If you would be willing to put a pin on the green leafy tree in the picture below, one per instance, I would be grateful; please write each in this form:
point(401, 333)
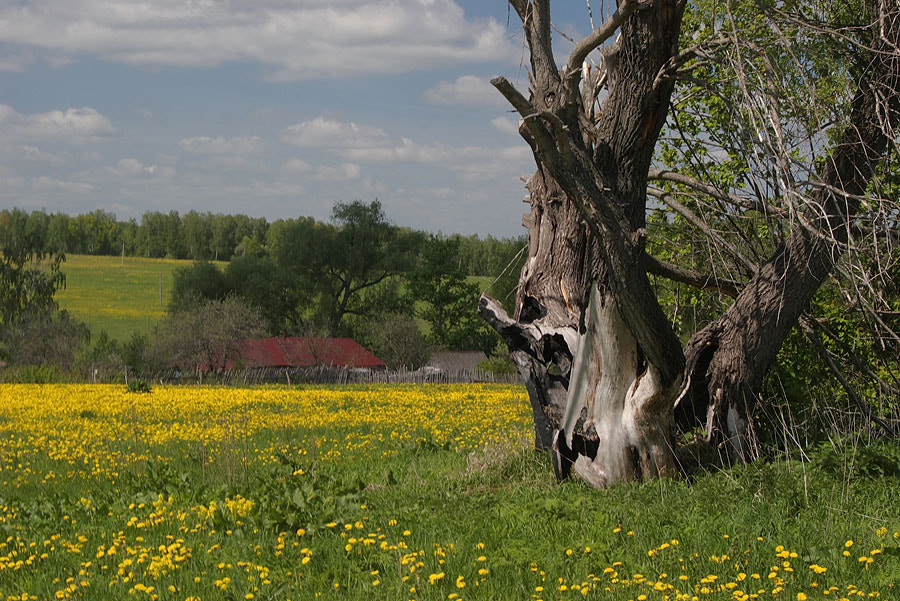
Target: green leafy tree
point(450, 299)
point(202, 281)
point(29, 275)
point(280, 297)
point(343, 261)
point(198, 236)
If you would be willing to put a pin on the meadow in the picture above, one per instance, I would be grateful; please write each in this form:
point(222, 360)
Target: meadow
point(400, 492)
point(118, 295)
point(122, 296)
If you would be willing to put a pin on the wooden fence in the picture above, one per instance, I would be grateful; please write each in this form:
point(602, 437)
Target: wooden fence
point(335, 375)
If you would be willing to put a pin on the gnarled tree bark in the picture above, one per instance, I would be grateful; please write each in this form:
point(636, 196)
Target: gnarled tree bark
point(600, 360)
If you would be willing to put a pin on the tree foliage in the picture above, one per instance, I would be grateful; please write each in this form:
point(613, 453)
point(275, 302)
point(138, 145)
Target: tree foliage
point(450, 300)
point(29, 274)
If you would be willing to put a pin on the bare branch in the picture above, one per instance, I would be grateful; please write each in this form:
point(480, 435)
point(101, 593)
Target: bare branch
point(717, 193)
point(530, 118)
point(701, 50)
point(703, 227)
point(513, 96)
point(692, 278)
point(592, 42)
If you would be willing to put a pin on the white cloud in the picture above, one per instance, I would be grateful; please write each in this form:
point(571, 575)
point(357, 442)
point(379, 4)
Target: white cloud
point(13, 181)
point(505, 125)
point(72, 125)
point(467, 90)
point(344, 172)
point(52, 184)
point(131, 166)
point(322, 132)
point(16, 63)
point(240, 146)
point(323, 173)
point(297, 39)
point(361, 143)
point(33, 153)
point(296, 166)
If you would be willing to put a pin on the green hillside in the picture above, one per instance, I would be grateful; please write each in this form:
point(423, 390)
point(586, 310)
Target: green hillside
point(116, 295)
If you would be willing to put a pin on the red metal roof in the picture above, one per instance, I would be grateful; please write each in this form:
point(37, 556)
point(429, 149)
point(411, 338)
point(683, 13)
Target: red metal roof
point(304, 352)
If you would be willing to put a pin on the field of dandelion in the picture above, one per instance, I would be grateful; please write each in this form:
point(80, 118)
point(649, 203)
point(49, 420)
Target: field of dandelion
point(397, 492)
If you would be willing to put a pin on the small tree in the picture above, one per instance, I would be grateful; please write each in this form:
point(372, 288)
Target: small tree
point(207, 336)
point(50, 338)
point(29, 275)
point(398, 341)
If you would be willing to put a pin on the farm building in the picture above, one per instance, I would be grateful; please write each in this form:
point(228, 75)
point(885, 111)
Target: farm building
point(286, 351)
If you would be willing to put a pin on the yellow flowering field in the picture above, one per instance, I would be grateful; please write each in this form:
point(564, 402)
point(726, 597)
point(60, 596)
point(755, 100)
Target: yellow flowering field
point(394, 492)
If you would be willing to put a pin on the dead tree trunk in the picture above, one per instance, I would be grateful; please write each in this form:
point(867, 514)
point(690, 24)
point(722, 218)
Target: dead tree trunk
point(600, 360)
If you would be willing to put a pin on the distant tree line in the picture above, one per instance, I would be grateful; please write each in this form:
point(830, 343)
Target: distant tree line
point(398, 291)
point(199, 237)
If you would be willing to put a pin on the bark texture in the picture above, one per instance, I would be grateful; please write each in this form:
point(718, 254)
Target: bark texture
point(600, 360)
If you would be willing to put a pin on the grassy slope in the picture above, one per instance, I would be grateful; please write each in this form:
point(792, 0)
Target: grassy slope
point(119, 298)
point(122, 299)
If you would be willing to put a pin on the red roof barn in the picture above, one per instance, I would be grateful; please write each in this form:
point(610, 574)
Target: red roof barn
point(303, 352)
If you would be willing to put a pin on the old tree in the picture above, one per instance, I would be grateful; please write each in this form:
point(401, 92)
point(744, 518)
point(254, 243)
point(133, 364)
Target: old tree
point(766, 131)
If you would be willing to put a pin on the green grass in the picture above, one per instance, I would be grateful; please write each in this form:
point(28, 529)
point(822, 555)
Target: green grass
point(128, 296)
point(118, 296)
point(372, 509)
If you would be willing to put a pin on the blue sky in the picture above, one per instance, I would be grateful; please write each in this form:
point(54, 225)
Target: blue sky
point(274, 108)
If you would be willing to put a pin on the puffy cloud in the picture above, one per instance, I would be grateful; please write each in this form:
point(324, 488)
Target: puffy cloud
point(132, 166)
point(16, 63)
point(322, 173)
point(361, 143)
point(72, 125)
point(505, 125)
point(343, 172)
point(32, 153)
point(240, 146)
point(296, 166)
point(297, 39)
point(322, 132)
point(467, 90)
point(52, 184)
